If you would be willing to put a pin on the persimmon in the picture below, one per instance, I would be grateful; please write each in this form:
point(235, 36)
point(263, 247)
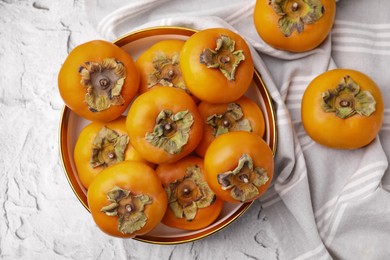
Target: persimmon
point(216, 65)
point(192, 204)
point(343, 109)
point(100, 145)
point(98, 80)
point(240, 115)
point(127, 199)
point(159, 65)
point(164, 125)
point(294, 25)
point(239, 166)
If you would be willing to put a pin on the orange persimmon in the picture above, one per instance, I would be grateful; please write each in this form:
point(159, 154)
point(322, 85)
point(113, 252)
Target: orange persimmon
point(127, 199)
point(192, 204)
point(216, 65)
point(294, 25)
point(100, 145)
point(98, 80)
point(164, 125)
point(342, 108)
point(240, 115)
point(239, 166)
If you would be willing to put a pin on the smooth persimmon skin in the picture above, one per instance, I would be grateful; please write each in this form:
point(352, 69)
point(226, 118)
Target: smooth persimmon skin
point(169, 173)
point(73, 92)
point(224, 153)
point(83, 149)
point(141, 119)
point(266, 23)
point(328, 129)
point(210, 84)
point(145, 60)
point(251, 110)
point(136, 177)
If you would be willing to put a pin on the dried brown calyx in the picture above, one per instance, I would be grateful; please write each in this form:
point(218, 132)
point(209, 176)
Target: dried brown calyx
point(103, 82)
point(166, 71)
point(295, 14)
point(128, 208)
point(347, 99)
point(172, 131)
point(189, 194)
point(244, 180)
point(108, 148)
point(224, 57)
point(231, 120)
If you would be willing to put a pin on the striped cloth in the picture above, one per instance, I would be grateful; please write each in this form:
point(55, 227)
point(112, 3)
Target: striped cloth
point(323, 203)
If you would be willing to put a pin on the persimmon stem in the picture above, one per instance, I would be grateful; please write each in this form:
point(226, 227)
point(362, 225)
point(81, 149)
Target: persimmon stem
point(225, 59)
point(294, 6)
point(104, 83)
point(171, 74)
point(244, 178)
point(129, 208)
point(345, 103)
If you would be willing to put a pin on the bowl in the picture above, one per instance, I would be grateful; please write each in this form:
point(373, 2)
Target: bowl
point(71, 125)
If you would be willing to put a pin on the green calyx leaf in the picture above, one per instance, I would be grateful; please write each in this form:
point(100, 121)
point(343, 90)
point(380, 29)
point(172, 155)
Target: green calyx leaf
point(108, 148)
point(347, 100)
point(224, 57)
point(244, 180)
point(189, 194)
point(295, 14)
point(166, 72)
point(172, 131)
point(128, 208)
point(231, 120)
point(103, 83)
point(130, 223)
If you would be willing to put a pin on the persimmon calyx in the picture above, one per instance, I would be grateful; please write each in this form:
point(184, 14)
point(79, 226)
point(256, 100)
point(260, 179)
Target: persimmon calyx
point(295, 14)
point(231, 120)
point(224, 57)
point(103, 83)
point(128, 208)
point(166, 71)
point(347, 99)
point(172, 131)
point(108, 148)
point(244, 180)
point(189, 194)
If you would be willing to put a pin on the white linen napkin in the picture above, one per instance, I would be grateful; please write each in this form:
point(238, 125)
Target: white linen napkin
point(323, 203)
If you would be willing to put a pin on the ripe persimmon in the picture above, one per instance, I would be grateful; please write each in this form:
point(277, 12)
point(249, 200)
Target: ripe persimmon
point(294, 25)
point(216, 65)
point(342, 108)
point(98, 80)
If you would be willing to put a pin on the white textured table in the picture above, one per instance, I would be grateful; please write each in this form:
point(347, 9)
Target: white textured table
point(41, 218)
